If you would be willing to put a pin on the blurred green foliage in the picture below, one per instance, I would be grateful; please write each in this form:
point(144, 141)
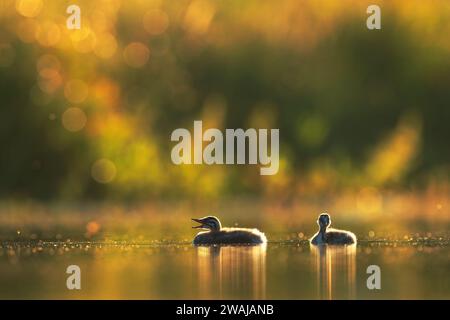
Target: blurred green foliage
point(349, 102)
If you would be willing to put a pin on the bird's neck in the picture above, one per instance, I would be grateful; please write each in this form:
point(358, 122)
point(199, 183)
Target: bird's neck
point(323, 232)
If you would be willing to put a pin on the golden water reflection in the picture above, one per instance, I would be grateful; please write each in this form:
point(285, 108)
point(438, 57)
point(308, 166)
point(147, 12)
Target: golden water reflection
point(335, 268)
point(284, 271)
point(232, 271)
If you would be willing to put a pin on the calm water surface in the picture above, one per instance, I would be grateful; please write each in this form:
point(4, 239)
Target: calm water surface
point(283, 270)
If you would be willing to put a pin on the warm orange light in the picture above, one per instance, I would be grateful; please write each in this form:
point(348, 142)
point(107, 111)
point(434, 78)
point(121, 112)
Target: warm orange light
point(155, 22)
point(29, 8)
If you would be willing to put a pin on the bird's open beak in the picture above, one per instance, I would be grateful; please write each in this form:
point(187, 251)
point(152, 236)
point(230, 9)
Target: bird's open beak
point(201, 226)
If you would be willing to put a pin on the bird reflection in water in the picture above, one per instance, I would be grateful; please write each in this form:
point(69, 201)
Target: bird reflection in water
point(335, 267)
point(232, 271)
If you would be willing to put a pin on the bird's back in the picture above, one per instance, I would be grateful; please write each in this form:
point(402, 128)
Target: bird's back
point(335, 236)
point(230, 236)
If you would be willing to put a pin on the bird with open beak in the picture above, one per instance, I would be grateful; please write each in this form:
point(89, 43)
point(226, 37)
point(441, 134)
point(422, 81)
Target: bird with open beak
point(216, 234)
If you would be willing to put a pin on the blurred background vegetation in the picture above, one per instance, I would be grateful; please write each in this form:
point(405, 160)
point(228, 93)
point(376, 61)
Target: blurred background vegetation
point(85, 123)
point(87, 114)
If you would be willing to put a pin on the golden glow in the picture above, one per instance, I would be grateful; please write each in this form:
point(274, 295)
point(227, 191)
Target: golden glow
point(86, 67)
point(88, 43)
point(101, 22)
point(335, 268)
point(105, 46)
point(155, 22)
point(232, 269)
point(391, 158)
point(81, 34)
point(199, 15)
point(369, 200)
point(92, 228)
point(136, 54)
point(48, 34)
point(29, 8)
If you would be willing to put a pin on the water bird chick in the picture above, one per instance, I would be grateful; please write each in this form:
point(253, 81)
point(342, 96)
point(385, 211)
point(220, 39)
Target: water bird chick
point(327, 235)
point(218, 235)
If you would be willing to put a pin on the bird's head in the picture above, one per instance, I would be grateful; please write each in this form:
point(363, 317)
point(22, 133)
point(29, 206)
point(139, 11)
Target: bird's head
point(211, 223)
point(324, 220)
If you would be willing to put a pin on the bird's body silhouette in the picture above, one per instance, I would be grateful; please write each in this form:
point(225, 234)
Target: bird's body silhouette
point(327, 235)
point(218, 235)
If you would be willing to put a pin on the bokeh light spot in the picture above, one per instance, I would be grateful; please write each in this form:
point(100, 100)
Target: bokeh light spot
point(74, 119)
point(155, 22)
point(87, 44)
point(47, 61)
point(92, 228)
point(49, 81)
point(29, 8)
point(26, 30)
point(76, 91)
point(103, 171)
point(48, 34)
point(81, 34)
point(48, 67)
point(105, 46)
point(136, 54)
point(198, 16)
